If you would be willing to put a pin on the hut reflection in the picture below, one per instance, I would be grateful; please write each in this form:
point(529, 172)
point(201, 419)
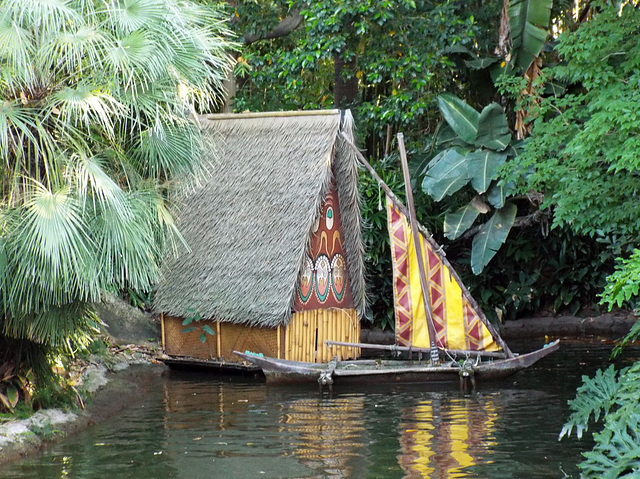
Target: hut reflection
point(440, 439)
point(328, 433)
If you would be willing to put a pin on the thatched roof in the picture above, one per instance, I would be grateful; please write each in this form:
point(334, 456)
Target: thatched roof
point(248, 228)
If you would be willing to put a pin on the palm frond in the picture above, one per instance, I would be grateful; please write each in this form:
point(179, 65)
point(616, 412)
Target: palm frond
point(128, 250)
point(66, 328)
point(166, 151)
point(16, 48)
point(95, 187)
point(53, 259)
point(16, 126)
point(74, 51)
point(83, 106)
point(128, 16)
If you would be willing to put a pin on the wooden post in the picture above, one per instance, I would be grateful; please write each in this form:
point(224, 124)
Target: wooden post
point(417, 243)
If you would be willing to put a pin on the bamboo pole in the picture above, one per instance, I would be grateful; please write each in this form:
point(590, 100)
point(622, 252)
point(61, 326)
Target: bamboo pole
point(218, 339)
point(305, 344)
point(340, 333)
point(320, 339)
point(426, 296)
point(287, 337)
point(325, 350)
point(162, 338)
point(278, 343)
point(303, 338)
point(269, 114)
point(393, 347)
point(292, 337)
point(435, 246)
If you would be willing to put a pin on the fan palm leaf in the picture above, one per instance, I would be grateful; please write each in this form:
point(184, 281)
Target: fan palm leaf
point(68, 327)
point(167, 151)
point(94, 135)
point(54, 258)
point(129, 252)
point(95, 188)
point(75, 50)
point(84, 106)
point(16, 47)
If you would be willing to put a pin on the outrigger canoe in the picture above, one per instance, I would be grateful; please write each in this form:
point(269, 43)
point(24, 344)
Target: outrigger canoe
point(435, 314)
point(359, 371)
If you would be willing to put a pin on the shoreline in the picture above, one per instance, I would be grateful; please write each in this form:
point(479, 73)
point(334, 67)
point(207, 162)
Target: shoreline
point(106, 390)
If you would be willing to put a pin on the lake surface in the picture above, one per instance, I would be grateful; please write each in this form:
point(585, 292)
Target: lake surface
point(200, 426)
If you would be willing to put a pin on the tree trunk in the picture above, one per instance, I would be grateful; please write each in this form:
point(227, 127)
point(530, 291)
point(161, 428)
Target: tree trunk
point(345, 86)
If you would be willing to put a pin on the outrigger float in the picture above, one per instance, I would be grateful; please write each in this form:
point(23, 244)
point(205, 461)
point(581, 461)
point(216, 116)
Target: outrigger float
point(436, 316)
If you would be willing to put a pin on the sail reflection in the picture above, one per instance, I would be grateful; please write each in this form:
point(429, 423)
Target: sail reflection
point(440, 439)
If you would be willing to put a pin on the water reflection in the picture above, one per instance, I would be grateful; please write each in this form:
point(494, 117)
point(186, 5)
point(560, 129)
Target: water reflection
point(194, 426)
point(443, 436)
point(328, 433)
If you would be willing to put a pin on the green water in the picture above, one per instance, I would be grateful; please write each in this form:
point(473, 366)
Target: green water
point(197, 426)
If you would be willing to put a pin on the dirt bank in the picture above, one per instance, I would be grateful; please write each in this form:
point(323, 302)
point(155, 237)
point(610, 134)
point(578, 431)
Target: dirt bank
point(115, 390)
point(606, 326)
point(109, 383)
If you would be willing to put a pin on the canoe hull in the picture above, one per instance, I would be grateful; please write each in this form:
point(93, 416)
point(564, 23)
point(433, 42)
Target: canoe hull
point(280, 371)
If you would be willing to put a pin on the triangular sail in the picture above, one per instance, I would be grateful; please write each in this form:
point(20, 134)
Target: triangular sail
point(457, 323)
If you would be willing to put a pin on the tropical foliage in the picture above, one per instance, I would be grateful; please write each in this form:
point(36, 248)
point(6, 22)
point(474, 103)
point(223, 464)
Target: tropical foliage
point(96, 130)
point(472, 150)
point(612, 397)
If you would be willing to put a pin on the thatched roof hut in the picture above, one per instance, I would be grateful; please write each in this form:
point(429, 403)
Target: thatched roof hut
point(250, 227)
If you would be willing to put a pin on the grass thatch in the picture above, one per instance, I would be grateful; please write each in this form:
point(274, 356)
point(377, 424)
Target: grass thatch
point(249, 226)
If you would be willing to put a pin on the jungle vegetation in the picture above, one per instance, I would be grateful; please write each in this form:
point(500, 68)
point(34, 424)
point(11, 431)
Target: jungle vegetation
point(96, 136)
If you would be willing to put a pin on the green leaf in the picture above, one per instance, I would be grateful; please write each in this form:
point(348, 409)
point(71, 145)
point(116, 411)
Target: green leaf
point(493, 130)
point(482, 167)
point(528, 20)
point(480, 63)
point(457, 48)
point(447, 175)
point(203, 337)
point(462, 118)
point(189, 329)
point(491, 237)
point(187, 321)
point(5, 400)
point(12, 395)
point(498, 192)
point(457, 223)
point(207, 329)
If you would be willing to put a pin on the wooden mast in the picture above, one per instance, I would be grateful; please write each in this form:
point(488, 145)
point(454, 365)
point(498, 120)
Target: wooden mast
point(417, 244)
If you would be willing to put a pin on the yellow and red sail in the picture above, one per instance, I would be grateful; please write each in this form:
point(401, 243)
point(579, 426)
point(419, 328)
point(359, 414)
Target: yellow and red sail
point(457, 323)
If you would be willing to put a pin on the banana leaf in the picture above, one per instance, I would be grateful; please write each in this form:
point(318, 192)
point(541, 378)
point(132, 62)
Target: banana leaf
point(491, 236)
point(447, 174)
point(462, 118)
point(493, 130)
point(528, 20)
point(482, 167)
point(457, 223)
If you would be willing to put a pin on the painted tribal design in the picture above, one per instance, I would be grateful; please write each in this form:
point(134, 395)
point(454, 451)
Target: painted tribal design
point(323, 281)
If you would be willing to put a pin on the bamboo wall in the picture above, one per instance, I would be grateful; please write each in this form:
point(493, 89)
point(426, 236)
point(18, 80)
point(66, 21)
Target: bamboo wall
point(228, 337)
point(307, 331)
point(302, 340)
